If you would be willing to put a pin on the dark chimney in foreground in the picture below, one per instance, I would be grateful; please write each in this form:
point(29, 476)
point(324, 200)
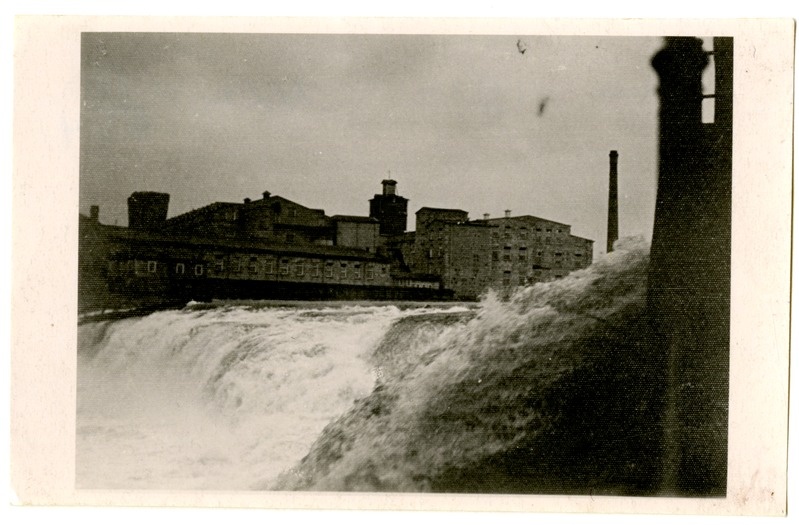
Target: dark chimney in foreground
point(94, 213)
point(688, 299)
point(613, 201)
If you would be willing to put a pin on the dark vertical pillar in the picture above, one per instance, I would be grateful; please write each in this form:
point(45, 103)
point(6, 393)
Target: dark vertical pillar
point(613, 201)
point(688, 298)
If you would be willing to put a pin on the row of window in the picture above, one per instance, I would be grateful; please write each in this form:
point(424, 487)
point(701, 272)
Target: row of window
point(538, 253)
point(283, 267)
point(523, 230)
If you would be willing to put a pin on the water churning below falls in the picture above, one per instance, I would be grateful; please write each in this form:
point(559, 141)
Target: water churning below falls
point(548, 392)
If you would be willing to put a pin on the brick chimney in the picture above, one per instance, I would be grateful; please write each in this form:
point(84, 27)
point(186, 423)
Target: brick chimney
point(507, 214)
point(486, 216)
point(613, 201)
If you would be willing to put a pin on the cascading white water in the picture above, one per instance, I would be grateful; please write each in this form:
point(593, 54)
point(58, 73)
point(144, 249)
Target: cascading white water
point(220, 398)
point(379, 398)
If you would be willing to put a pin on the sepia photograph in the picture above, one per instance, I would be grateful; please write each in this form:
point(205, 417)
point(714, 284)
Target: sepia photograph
point(489, 263)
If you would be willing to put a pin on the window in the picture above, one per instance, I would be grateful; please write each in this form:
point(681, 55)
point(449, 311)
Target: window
point(269, 266)
point(198, 269)
point(343, 272)
point(329, 269)
point(357, 271)
point(495, 256)
point(317, 268)
point(578, 254)
point(289, 238)
point(506, 257)
point(370, 273)
point(253, 268)
point(180, 268)
point(522, 257)
point(299, 268)
point(152, 266)
point(220, 264)
point(284, 266)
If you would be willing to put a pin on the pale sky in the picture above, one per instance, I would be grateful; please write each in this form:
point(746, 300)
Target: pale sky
point(464, 122)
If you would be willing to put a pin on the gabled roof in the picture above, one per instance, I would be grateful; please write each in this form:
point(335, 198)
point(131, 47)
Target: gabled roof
point(277, 198)
point(236, 206)
point(204, 210)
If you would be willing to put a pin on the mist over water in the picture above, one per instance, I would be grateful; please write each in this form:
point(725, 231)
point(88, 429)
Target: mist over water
point(343, 397)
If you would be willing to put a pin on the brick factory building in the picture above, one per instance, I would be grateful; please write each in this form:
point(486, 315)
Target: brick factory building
point(276, 248)
point(501, 254)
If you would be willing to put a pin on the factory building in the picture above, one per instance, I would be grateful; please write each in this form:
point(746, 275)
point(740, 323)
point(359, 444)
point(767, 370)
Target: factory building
point(273, 247)
point(501, 254)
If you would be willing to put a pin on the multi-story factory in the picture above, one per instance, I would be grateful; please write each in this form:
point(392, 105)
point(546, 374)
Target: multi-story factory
point(276, 248)
point(502, 253)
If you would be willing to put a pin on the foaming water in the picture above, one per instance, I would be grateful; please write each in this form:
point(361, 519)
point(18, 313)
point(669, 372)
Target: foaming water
point(547, 392)
point(550, 391)
point(219, 398)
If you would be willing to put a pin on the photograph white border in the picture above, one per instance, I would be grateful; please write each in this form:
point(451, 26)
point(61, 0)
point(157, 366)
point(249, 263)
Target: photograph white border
point(44, 301)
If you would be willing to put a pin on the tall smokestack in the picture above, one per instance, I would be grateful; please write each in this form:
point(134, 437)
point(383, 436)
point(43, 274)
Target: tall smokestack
point(613, 201)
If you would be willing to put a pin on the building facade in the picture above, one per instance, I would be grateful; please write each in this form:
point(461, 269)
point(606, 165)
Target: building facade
point(501, 254)
point(276, 248)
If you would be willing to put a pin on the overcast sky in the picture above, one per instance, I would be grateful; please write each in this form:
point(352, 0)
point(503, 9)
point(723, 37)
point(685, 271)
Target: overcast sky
point(465, 122)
